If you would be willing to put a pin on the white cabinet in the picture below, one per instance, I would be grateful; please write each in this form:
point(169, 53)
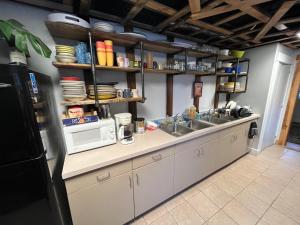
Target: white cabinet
point(193, 162)
point(153, 183)
point(108, 202)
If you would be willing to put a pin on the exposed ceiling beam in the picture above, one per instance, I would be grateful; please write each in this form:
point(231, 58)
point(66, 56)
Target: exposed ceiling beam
point(195, 6)
point(290, 20)
point(48, 5)
point(249, 25)
point(208, 26)
point(230, 18)
point(232, 5)
point(275, 18)
point(286, 32)
point(173, 18)
point(138, 6)
point(273, 41)
point(212, 4)
point(173, 34)
point(239, 35)
point(291, 42)
point(157, 7)
point(251, 11)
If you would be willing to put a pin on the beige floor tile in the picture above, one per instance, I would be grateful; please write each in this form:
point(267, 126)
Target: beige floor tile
point(288, 203)
point(228, 185)
point(190, 192)
point(217, 195)
point(252, 203)
point(166, 219)
point(204, 207)
point(221, 219)
point(172, 203)
point(155, 214)
point(265, 190)
point(139, 221)
point(273, 217)
point(246, 172)
point(239, 179)
point(280, 174)
point(184, 214)
point(295, 183)
point(261, 222)
point(240, 214)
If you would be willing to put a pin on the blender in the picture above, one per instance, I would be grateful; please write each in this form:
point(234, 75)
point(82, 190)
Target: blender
point(124, 128)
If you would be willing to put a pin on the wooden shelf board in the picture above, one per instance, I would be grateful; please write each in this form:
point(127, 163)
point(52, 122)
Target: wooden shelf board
point(230, 75)
point(231, 92)
point(116, 68)
point(146, 70)
point(106, 101)
point(72, 65)
point(67, 31)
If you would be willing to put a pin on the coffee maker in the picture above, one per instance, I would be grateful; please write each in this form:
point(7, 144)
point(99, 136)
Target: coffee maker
point(124, 128)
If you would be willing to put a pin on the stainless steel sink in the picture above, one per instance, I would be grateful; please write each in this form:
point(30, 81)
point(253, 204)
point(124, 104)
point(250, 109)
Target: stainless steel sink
point(214, 120)
point(176, 130)
point(198, 125)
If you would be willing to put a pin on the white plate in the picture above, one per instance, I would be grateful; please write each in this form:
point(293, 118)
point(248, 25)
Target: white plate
point(72, 81)
point(68, 18)
point(74, 96)
point(181, 44)
point(132, 34)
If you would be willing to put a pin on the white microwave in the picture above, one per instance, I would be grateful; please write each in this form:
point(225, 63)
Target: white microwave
point(88, 136)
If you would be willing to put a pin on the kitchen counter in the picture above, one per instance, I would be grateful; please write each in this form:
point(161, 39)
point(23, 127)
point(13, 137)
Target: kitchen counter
point(87, 161)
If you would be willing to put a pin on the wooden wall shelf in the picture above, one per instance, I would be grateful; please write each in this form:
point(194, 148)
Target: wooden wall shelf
point(106, 101)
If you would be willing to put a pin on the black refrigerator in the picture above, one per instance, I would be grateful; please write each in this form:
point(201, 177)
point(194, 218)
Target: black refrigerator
point(31, 150)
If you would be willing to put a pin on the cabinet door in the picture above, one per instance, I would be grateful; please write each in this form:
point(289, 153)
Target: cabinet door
point(242, 141)
point(187, 165)
point(107, 202)
point(208, 157)
point(153, 184)
point(225, 153)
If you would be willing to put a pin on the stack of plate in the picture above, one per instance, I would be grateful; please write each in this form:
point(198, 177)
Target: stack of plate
point(135, 35)
point(65, 54)
point(102, 26)
point(104, 91)
point(73, 88)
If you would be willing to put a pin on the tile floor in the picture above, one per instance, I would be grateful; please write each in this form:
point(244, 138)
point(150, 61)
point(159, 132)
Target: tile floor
point(263, 190)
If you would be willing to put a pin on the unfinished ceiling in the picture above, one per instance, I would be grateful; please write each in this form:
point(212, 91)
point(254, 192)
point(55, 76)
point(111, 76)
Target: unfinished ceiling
point(224, 23)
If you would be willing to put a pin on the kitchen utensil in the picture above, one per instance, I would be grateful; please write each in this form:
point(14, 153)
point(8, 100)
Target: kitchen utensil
point(65, 59)
point(224, 52)
point(237, 54)
point(68, 18)
point(134, 93)
point(109, 52)
point(81, 50)
point(127, 93)
point(103, 26)
point(119, 93)
point(149, 59)
point(120, 61)
point(101, 53)
point(124, 128)
point(139, 125)
point(134, 34)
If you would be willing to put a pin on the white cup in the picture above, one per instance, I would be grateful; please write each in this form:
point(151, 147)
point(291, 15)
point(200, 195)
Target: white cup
point(135, 93)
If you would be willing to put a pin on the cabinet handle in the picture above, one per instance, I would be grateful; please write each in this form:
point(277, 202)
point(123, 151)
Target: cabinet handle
point(157, 157)
point(200, 152)
point(130, 182)
point(137, 179)
point(103, 177)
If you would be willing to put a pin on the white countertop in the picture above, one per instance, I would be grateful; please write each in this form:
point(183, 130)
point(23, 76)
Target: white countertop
point(87, 161)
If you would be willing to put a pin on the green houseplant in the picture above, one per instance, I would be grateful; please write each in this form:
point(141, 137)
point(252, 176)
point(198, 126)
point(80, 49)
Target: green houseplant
point(17, 36)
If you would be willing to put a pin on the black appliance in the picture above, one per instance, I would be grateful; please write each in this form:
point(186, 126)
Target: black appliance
point(31, 150)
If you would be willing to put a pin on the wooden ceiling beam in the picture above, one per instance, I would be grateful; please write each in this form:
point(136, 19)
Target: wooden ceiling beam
point(290, 20)
point(273, 41)
point(275, 18)
point(239, 35)
point(157, 7)
point(138, 6)
point(230, 18)
point(249, 9)
point(288, 32)
point(232, 5)
point(208, 26)
point(195, 6)
point(172, 18)
point(291, 42)
point(249, 25)
point(212, 4)
point(174, 34)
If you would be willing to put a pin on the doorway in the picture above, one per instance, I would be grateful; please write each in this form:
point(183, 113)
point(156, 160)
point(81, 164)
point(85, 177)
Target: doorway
point(294, 132)
point(277, 105)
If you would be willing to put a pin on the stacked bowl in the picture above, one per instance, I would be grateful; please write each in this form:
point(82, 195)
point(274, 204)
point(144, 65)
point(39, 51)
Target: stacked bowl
point(105, 91)
point(73, 88)
point(65, 54)
point(102, 26)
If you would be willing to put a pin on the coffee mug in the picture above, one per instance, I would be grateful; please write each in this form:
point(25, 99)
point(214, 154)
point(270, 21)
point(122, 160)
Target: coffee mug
point(134, 93)
point(119, 93)
point(127, 93)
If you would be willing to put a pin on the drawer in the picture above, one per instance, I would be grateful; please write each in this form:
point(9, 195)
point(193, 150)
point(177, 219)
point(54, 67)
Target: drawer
point(101, 175)
point(153, 157)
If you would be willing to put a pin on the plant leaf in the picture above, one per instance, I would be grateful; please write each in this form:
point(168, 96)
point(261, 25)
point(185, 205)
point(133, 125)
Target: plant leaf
point(15, 23)
point(16, 26)
point(6, 30)
point(21, 43)
point(39, 46)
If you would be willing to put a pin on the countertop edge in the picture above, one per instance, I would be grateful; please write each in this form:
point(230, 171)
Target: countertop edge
point(195, 134)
